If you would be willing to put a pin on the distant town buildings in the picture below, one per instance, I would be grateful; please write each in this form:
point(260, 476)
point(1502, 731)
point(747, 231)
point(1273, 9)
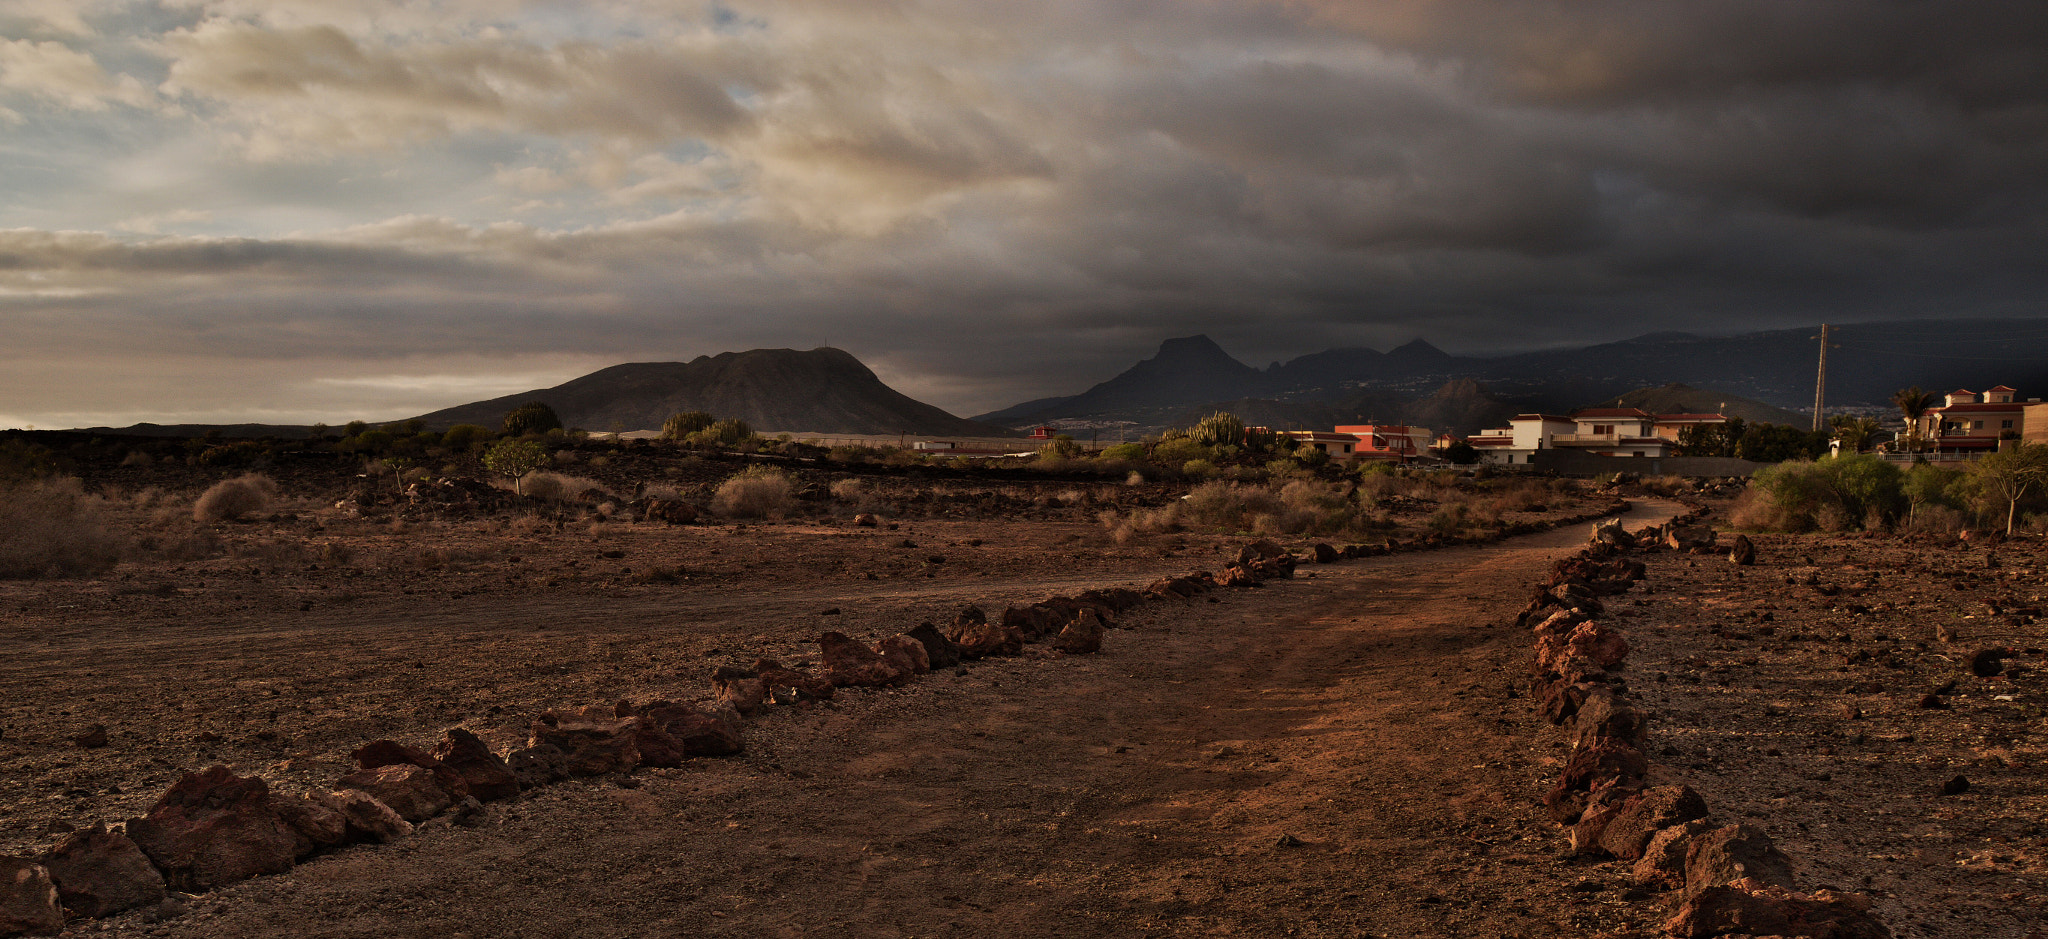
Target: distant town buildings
point(1968, 422)
point(1630, 432)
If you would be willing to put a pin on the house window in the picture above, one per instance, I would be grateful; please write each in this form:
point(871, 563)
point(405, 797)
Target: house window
point(1639, 453)
point(1603, 428)
point(1511, 458)
point(2005, 425)
point(1976, 425)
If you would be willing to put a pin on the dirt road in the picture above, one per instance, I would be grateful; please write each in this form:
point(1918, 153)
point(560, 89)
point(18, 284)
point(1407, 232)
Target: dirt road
point(1345, 754)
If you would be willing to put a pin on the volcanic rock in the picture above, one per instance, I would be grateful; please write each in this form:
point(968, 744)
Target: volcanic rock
point(1732, 853)
point(1083, 636)
point(483, 772)
point(1647, 814)
point(850, 663)
point(100, 872)
point(906, 653)
point(28, 900)
point(938, 650)
point(592, 742)
point(213, 828)
point(409, 790)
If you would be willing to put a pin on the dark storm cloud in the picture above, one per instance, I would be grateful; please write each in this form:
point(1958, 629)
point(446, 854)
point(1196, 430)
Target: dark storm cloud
point(992, 203)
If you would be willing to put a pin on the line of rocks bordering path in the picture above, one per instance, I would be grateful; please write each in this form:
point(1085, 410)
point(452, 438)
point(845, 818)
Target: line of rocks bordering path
point(214, 828)
point(1724, 880)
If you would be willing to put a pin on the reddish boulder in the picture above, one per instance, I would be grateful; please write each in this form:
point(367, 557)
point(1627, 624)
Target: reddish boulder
point(28, 900)
point(1602, 807)
point(1237, 577)
point(1602, 765)
point(739, 687)
point(592, 741)
point(1326, 554)
point(865, 520)
point(483, 772)
point(697, 732)
point(1033, 622)
point(317, 821)
point(1662, 863)
point(213, 828)
point(99, 872)
point(980, 640)
point(538, 765)
point(379, 753)
point(789, 685)
point(1732, 853)
point(656, 746)
point(1083, 636)
point(1260, 550)
point(1596, 642)
point(850, 663)
point(1604, 715)
point(940, 651)
point(671, 512)
point(1629, 833)
point(1748, 907)
point(1742, 552)
point(368, 819)
point(411, 791)
point(906, 653)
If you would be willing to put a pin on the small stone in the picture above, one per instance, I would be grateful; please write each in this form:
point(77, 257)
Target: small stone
point(93, 738)
point(1956, 786)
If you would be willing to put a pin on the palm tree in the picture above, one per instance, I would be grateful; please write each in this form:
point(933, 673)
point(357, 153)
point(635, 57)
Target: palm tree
point(1855, 433)
point(1914, 403)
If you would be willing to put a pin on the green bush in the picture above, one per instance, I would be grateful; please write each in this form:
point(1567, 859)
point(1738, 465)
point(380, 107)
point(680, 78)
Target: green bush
point(462, 438)
point(514, 458)
point(1833, 494)
point(1124, 451)
point(533, 417)
point(679, 426)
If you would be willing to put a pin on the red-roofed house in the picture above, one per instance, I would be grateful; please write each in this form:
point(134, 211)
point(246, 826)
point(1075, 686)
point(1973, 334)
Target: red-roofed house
point(1388, 441)
point(1599, 431)
point(1967, 422)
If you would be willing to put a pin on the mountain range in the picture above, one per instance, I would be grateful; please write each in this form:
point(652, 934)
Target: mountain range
point(1766, 373)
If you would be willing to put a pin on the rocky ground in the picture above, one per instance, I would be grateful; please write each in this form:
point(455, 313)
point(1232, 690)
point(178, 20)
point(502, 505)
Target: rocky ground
point(1352, 752)
point(1878, 705)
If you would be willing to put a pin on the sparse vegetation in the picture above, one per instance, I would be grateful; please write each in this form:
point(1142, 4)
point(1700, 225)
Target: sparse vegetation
point(515, 459)
point(533, 417)
point(51, 528)
point(233, 499)
point(756, 492)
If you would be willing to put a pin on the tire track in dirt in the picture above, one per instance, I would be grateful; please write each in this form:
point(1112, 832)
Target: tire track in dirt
point(1337, 755)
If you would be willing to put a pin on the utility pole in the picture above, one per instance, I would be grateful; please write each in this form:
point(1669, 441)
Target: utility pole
point(1820, 382)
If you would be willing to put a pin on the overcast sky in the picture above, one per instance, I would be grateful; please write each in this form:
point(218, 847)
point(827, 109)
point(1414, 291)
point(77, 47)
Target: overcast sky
point(299, 210)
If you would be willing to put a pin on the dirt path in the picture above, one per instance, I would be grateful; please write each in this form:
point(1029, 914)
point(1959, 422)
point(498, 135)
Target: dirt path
point(1339, 755)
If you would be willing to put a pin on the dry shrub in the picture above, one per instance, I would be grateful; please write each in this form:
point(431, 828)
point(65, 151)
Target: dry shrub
point(1228, 506)
point(53, 529)
point(555, 487)
point(137, 458)
point(757, 492)
point(531, 525)
point(230, 499)
point(849, 490)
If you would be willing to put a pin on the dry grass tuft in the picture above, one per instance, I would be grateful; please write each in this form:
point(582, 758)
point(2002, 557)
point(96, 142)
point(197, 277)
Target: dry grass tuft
point(757, 492)
point(53, 529)
point(231, 499)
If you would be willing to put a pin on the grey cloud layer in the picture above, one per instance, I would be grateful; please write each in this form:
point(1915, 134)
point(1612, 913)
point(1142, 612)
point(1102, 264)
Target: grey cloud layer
point(993, 203)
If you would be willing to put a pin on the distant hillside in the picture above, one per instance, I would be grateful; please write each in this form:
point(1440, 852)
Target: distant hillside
point(1684, 399)
point(1772, 372)
point(1184, 373)
point(822, 391)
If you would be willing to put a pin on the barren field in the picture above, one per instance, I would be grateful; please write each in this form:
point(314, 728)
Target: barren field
point(1351, 752)
point(1830, 694)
